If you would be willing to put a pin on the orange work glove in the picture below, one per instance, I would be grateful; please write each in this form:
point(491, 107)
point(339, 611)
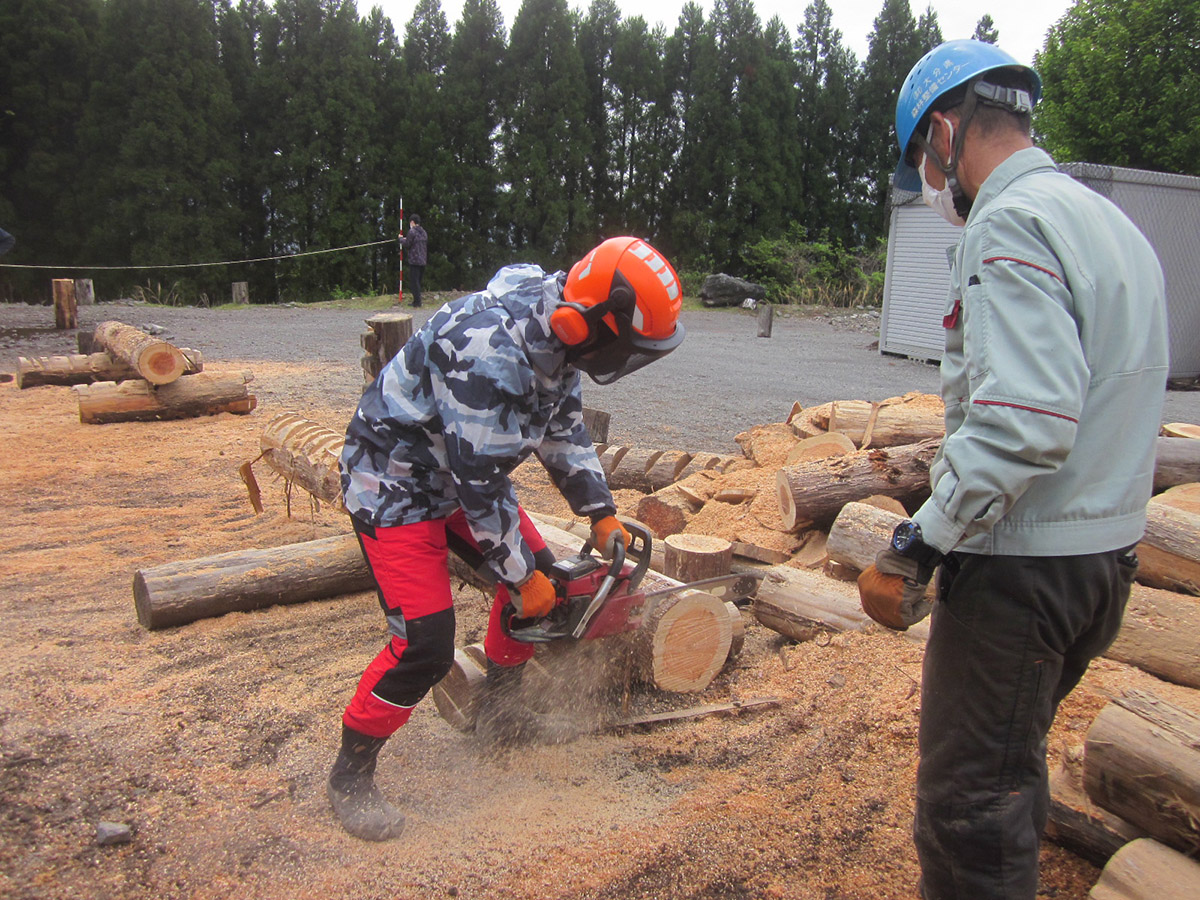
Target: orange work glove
point(893, 590)
point(536, 596)
point(605, 535)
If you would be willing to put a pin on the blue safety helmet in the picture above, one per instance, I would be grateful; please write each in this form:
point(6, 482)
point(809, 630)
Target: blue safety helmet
point(942, 69)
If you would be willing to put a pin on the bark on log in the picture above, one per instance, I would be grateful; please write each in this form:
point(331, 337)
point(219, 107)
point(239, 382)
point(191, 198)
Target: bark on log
point(66, 309)
point(631, 468)
point(909, 419)
point(1141, 762)
point(1080, 825)
point(1146, 870)
point(79, 368)
point(155, 360)
point(665, 470)
point(800, 605)
point(392, 331)
point(1176, 461)
point(139, 401)
point(182, 592)
point(859, 532)
point(1161, 635)
point(306, 454)
point(815, 491)
point(693, 557)
point(1169, 552)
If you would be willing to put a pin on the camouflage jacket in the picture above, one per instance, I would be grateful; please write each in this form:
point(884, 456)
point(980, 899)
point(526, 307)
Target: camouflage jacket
point(481, 386)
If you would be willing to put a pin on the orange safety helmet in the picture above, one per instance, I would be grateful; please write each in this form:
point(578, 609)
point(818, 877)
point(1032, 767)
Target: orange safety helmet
point(620, 309)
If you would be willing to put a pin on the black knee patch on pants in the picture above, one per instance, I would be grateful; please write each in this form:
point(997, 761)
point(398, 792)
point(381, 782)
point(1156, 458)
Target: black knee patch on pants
point(424, 662)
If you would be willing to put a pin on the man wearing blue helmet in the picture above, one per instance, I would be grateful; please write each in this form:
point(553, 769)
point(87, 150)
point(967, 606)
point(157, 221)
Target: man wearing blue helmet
point(1055, 330)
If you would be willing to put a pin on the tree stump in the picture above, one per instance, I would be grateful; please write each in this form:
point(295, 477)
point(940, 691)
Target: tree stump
point(596, 422)
point(66, 311)
point(693, 557)
point(241, 293)
point(155, 360)
point(766, 317)
point(85, 292)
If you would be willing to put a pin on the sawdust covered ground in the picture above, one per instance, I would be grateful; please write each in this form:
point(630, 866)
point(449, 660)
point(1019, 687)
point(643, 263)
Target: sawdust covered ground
point(213, 740)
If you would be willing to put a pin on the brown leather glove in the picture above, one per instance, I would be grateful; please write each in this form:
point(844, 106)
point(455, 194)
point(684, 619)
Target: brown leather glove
point(893, 590)
point(604, 535)
point(536, 596)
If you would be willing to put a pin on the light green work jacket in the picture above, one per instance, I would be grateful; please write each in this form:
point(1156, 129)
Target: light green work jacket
point(1054, 372)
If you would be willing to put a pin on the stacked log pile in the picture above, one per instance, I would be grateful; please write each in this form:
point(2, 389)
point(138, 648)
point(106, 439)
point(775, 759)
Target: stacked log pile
point(125, 374)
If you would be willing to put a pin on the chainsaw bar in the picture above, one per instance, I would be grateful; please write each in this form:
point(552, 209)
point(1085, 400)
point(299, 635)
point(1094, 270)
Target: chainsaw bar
point(734, 584)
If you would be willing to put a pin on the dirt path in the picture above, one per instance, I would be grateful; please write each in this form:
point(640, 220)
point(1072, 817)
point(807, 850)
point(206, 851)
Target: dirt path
point(213, 740)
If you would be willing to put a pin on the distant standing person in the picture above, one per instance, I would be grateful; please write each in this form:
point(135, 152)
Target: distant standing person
point(6, 241)
point(415, 245)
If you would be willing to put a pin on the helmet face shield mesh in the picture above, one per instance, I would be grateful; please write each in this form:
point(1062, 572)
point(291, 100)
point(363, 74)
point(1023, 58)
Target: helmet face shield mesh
point(616, 356)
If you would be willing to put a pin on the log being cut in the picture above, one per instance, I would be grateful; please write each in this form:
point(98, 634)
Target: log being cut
point(157, 361)
point(139, 401)
point(306, 454)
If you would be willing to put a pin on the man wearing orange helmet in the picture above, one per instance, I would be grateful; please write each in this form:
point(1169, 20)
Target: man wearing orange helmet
point(489, 379)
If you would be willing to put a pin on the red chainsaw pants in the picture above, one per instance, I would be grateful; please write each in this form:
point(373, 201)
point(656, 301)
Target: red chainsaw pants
point(409, 564)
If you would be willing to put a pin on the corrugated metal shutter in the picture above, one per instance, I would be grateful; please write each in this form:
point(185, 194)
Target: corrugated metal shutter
point(916, 281)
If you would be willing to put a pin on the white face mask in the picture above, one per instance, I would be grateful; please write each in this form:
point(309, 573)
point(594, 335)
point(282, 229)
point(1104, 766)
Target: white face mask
point(941, 202)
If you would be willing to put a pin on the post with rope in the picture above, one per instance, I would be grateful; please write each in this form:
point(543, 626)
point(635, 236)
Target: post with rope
point(400, 279)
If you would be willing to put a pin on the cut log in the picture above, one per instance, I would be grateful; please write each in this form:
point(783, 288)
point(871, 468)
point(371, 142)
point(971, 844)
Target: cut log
point(910, 419)
point(667, 468)
point(243, 580)
point(800, 605)
point(814, 552)
point(859, 532)
point(1181, 429)
point(1169, 552)
point(1146, 870)
point(1080, 825)
point(705, 462)
point(392, 331)
point(609, 459)
point(737, 626)
point(1176, 461)
point(139, 401)
point(693, 557)
point(596, 422)
point(1161, 635)
point(630, 470)
point(766, 317)
point(1181, 496)
point(666, 511)
point(820, 446)
point(1142, 762)
point(815, 491)
point(457, 695)
point(685, 642)
point(759, 554)
point(82, 368)
point(155, 360)
point(305, 454)
point(66, 308)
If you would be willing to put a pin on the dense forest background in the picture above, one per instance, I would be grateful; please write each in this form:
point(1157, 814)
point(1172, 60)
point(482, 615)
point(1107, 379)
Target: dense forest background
point(146, 132)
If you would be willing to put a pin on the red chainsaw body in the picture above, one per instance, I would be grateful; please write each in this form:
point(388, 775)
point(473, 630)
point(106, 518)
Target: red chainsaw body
point(621, 612)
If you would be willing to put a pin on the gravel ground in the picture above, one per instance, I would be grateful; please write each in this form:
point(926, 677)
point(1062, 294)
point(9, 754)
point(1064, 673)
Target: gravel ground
point(722, 380)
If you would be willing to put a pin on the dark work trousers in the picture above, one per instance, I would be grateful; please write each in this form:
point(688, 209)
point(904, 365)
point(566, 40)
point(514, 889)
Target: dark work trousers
point(415, 273)
point(1010, 637)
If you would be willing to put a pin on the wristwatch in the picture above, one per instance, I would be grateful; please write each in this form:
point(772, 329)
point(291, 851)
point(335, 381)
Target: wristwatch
point(907, 540)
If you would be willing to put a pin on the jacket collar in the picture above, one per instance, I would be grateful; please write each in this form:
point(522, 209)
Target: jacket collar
point(1018, 165)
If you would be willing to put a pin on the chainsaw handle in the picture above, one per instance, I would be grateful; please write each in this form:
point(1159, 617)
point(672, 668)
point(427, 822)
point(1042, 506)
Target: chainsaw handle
point(639, 546)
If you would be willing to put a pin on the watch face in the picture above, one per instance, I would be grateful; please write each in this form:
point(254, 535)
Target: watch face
point(903, 537)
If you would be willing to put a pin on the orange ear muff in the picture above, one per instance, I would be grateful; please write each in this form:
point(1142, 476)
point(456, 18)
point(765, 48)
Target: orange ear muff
point(570, 324)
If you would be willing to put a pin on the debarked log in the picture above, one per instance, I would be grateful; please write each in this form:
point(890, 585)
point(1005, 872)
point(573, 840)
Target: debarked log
point(85, 368)
point(157, 361)
point(816, 490)
point(243, 580)
point(202, 394)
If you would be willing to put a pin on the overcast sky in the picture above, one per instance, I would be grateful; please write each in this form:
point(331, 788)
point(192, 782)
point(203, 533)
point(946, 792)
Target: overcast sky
point(1022, 23)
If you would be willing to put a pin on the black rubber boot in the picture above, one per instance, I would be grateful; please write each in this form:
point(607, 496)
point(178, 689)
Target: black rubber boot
point(359, 805)
point(504, 720)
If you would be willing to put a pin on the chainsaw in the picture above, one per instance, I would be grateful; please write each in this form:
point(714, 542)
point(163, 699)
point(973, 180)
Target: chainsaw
point(597, 599)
